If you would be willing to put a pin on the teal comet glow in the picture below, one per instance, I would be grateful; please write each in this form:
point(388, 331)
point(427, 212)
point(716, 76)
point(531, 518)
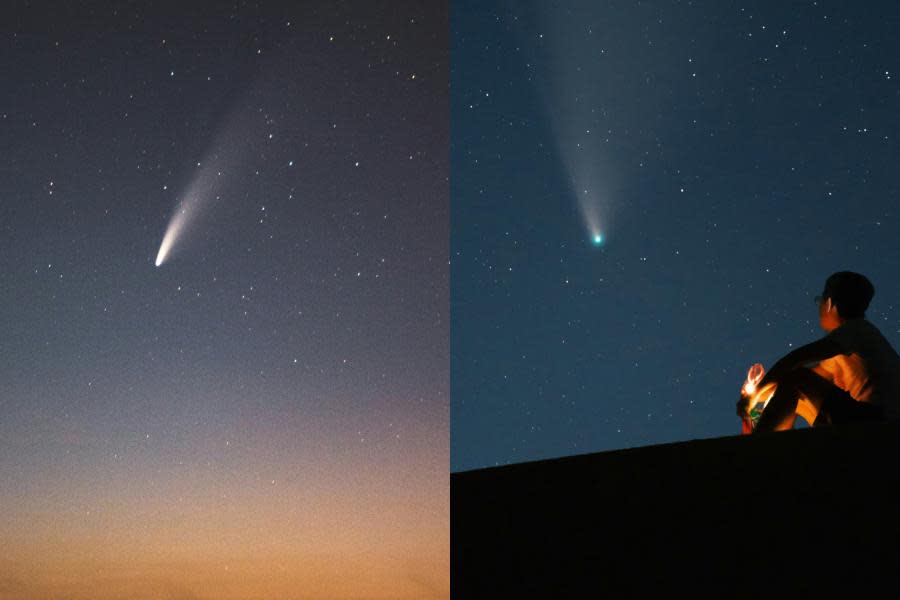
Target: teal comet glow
point(597, 239)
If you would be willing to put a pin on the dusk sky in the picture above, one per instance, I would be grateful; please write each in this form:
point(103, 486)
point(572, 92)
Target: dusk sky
point(729, 157)
point(246, 248)
point(266, 413)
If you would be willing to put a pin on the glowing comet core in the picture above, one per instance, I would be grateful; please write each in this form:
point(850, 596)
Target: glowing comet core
point(176, 225)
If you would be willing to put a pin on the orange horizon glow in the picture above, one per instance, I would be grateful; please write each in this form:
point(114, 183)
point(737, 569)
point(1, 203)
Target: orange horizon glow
point(365, 520)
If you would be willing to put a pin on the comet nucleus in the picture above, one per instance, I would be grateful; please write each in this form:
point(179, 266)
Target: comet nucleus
point(173, 231)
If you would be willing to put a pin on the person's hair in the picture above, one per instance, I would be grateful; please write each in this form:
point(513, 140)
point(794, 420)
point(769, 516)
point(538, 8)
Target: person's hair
point(850, 292)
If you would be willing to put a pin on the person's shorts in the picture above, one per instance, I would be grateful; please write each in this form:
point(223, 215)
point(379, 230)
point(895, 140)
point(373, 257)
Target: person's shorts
point(840, 408)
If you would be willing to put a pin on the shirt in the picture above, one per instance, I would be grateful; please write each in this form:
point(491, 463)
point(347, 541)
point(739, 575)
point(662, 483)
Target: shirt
point(868, 367)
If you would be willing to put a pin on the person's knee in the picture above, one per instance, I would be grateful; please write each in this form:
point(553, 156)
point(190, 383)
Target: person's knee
point(811, 385)
point(789, 384)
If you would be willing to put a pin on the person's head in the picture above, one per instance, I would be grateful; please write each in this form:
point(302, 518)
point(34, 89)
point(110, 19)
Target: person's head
point(846, 296)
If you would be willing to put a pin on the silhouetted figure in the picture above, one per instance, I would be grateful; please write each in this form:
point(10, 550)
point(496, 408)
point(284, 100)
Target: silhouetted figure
point(850, 375)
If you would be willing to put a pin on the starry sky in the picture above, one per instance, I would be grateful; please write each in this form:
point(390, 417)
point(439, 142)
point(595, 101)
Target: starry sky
point(266, 414)
point(731, 157)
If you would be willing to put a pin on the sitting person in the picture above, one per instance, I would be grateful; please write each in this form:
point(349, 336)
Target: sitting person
point(850, 375)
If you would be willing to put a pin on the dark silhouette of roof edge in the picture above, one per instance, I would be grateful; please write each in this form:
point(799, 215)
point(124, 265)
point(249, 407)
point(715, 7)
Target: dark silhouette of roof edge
point(610, 452)
point(692, 515)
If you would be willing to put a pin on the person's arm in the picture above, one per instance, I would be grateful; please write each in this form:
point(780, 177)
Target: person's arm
point(810, 353)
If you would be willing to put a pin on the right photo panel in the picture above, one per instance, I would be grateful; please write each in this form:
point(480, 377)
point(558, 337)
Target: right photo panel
point(674, 245)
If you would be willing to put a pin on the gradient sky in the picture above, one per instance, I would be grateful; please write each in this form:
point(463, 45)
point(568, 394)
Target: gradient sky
point(267, 413)
point(732, 157)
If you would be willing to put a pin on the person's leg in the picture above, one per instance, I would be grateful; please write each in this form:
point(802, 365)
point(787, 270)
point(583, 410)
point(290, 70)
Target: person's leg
point(848, 410)
point(836, 404)
point(782, 409)
point(810, 412)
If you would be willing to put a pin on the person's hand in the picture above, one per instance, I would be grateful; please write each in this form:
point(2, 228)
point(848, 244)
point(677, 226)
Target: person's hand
point(742, 406)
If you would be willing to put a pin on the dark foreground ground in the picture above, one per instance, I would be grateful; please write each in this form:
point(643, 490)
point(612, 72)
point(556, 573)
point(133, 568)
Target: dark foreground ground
point(813, 512)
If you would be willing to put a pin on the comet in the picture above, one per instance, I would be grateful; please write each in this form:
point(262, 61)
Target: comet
point(186, 213)
point(206, 187)
point(173, 231)
point(244, 133)
point(577, 84)
point(591, 208)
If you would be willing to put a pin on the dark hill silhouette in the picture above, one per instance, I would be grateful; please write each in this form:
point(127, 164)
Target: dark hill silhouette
point(796, 513)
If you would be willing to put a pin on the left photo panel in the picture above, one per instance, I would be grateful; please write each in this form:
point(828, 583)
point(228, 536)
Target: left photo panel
point(224, 301)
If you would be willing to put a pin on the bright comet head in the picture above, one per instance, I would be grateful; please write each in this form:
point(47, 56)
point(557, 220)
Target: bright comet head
point(172, 232)
point(164, 248)
point(597, 239)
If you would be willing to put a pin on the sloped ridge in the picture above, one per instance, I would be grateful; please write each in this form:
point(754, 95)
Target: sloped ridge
point(803, 511)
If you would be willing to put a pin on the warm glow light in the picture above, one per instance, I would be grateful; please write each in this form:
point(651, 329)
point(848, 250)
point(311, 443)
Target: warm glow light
point(762, 396)
point(229, 534)
point(754, 376)
point(757, 395)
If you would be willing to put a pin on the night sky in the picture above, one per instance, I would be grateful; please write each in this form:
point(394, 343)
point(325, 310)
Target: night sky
point(266, 414)
point(730, 157)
